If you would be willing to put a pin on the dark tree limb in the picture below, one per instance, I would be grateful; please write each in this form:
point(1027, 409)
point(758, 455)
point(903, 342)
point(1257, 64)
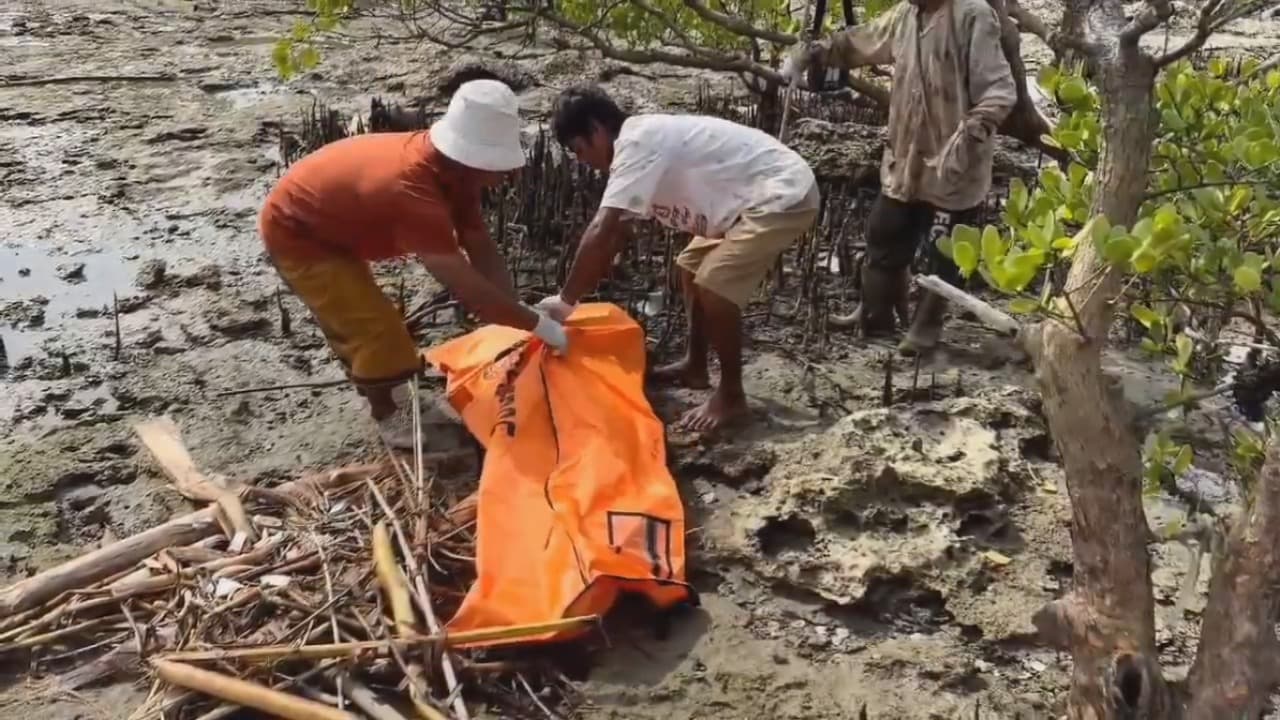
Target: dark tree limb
point(738, 25)
point(1152, 15)
point(1025, 122)
point(72, 79)
point(1238, 662)
point(708, 61)
point(696, 58)
point(668, 21)
point(1213, 16)
point(1204, 28)
point(445, 19)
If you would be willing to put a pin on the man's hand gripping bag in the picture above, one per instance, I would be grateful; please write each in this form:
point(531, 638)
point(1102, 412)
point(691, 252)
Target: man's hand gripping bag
point(576, 504)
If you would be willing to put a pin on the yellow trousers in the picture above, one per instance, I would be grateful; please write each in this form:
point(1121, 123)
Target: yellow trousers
point(361, 325)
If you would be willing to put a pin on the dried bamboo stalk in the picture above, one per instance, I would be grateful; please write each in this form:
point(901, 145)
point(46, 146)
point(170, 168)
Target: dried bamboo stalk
point(423, 598)
point(394, 584)
point(227, 709)
point(379, 648)
point(245, 693)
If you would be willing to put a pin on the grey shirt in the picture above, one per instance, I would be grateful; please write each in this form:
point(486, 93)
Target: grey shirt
point(952, 87)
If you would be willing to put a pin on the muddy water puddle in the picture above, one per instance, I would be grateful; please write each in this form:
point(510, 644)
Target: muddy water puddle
point(41, 291)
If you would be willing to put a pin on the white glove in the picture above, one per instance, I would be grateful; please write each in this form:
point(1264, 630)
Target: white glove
point(556, 307)
point(797, 62)
point(792, 70)
point(552, 333)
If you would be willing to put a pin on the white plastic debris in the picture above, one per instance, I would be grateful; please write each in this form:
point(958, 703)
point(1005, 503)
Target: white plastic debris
point(225, 587)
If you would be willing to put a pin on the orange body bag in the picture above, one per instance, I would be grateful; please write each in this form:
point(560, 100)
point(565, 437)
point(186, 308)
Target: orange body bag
point(576, 503)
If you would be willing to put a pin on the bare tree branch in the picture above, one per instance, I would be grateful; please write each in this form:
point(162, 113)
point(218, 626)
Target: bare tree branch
point(448, 20)
point(1270, 64)
point(705, 61)
point(1204, 28)
point(738, 25)
point(1213, 16)
point(668, 21)
point(698, 58)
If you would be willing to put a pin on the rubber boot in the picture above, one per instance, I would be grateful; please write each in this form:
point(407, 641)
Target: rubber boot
point(926, 329)
point(441, 426)
point(902, 303)
point(881, 293)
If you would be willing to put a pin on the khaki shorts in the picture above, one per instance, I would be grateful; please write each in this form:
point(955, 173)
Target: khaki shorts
point(733, 266)
point(363, 327)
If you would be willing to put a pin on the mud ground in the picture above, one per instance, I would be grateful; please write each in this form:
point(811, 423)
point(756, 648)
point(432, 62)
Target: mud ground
point(848, 555)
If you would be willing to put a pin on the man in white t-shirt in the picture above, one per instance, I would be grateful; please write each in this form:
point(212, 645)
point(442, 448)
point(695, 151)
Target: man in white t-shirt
point(744, 196)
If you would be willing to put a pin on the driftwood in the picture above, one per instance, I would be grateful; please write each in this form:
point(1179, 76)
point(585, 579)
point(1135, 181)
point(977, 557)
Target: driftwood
point(162, 438)
point(104, 562)
point(332, 562)
point(245, 693)
point(94, 566)
point(988, 314)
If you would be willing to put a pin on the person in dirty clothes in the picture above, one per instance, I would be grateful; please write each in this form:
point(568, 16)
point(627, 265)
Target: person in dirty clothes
point(385, 195)
point(952, 87)
point(743, 196)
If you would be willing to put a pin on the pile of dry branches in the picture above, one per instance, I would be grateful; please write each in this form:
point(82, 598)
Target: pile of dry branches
point(320, 598)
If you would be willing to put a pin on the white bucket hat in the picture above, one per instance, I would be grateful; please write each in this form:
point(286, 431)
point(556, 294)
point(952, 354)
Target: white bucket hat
point(481, 128)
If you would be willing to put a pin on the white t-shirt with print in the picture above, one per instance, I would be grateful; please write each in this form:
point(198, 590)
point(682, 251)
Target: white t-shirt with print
point(699, 174)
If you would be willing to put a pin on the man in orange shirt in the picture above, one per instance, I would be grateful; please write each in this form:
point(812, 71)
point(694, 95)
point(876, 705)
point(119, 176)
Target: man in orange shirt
point(373, 197)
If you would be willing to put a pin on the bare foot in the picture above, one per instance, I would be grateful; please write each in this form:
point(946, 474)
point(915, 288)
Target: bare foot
point(684, 373)
point(719, 410)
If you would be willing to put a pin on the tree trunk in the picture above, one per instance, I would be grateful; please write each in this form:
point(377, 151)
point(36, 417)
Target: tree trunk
point(1107, 620)
point(1238, 662)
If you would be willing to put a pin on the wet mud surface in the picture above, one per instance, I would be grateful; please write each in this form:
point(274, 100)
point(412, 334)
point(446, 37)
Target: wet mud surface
point(848, 554)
